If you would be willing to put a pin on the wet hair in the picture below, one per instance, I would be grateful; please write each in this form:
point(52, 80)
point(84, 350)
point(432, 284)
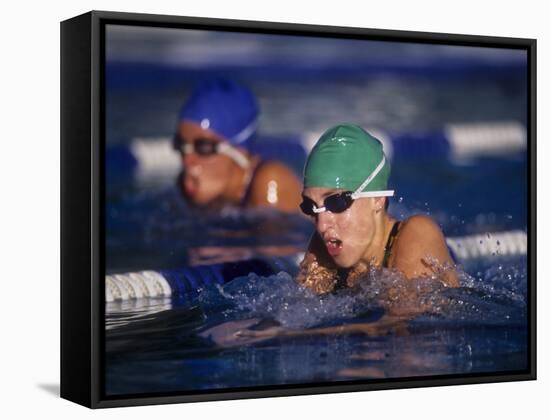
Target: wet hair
point(387, 204)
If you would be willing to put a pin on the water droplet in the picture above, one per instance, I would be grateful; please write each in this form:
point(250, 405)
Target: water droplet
point(400, 199)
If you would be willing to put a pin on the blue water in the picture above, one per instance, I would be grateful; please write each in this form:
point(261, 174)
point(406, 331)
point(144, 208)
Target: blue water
point(165, 345)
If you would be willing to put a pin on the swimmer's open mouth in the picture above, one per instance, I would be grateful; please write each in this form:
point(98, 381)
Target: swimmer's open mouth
point(334, 246)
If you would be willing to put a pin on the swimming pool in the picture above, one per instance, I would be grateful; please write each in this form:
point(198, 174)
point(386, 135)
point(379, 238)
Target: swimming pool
point(158, 345)
point(483, 327)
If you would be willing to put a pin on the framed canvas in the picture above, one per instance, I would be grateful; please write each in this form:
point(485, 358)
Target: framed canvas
point(255, 209)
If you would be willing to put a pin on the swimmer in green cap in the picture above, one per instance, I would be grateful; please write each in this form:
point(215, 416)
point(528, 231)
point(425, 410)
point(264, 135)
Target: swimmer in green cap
point(345, 193)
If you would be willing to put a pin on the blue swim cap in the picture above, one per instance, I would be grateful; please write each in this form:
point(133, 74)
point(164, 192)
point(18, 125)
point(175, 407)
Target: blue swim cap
point(225, 107)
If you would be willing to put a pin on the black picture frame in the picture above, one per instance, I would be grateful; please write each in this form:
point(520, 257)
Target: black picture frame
point(83, 197)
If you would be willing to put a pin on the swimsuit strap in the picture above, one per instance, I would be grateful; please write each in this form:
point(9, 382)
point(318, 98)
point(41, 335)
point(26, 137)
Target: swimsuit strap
point(389, 244)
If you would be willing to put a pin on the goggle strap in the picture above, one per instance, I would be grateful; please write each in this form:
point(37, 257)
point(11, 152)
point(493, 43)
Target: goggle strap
point(371, 176)
point(234, 154)
point(383, 193)
point(223, 148)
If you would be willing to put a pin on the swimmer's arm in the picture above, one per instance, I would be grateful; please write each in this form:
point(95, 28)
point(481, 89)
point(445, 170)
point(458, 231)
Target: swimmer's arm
point(276, 186)
point(238, 333)
point(377, 328)
point(419, 244)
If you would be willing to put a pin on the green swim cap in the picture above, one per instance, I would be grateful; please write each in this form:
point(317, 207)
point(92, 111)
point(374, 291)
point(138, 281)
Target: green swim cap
point(346, 156)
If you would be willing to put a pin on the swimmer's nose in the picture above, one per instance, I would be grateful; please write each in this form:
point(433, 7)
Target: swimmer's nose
point(323, 221)
point(192, 166)
point(190, 159)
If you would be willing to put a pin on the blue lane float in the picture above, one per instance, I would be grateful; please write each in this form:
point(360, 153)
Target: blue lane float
point(163, 71)
point(187, 282)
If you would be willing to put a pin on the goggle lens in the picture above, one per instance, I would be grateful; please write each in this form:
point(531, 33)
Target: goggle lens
point(203, 147)
point(336, 203)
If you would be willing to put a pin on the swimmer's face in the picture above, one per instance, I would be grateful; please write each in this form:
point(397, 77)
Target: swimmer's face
point(347, 235)
point(205, 178)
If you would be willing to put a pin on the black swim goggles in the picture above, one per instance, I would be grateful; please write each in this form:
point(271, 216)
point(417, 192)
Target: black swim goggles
point(206, 147)
point(336, 203)
point(202, 147)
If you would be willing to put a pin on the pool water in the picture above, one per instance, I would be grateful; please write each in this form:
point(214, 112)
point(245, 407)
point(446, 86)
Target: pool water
point(479, 327)
point(171, 344)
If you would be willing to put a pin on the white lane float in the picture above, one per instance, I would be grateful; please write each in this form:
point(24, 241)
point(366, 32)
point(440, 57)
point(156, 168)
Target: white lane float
point(150, 284)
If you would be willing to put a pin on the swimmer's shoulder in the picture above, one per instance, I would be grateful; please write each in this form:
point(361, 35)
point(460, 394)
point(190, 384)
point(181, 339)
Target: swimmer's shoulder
point(273, 170)
point(419, 228)
point(275, 184)
point(419, 241)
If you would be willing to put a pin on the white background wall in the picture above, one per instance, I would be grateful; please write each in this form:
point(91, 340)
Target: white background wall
point(29, 221)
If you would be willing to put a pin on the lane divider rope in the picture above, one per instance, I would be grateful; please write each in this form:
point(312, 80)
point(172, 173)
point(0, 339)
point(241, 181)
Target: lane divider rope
point(150, 284)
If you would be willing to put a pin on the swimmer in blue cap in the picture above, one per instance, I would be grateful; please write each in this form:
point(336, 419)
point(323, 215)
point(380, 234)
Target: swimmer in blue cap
point(215, 126)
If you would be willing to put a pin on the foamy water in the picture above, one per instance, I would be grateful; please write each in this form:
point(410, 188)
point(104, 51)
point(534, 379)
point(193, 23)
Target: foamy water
point(497, 295)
